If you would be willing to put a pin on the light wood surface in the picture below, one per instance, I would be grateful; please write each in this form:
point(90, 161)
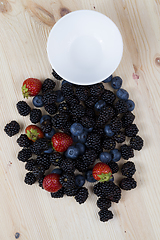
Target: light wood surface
point(29, 210)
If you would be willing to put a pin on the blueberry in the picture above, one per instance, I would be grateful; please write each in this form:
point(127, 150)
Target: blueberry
point(116, 82)
point(50, 134)
point(37, 101)
point(130, 105)
point(60, 97)
point(89, 177)
point(49, 150)
point(76, 129)
point(88, 129)
point(116, 155)
point(45, 117)
point(99, 105)
point(107, 79)
point(105, 157)
point(79, 180)
point(64, 81)
point(83, 137)
point(108, 131)
point(72, 152)
point(74, 138)
point(122, 94)
point(81, 148)
point(57, 170)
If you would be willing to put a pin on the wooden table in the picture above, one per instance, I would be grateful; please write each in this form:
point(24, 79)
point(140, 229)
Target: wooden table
point(29, 210)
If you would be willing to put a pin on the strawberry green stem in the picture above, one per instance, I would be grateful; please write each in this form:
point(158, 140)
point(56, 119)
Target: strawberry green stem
point(32, 134)
point(25, 91)
point(105, 177)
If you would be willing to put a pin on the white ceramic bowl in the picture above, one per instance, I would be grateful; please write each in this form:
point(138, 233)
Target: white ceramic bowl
point(85, 47)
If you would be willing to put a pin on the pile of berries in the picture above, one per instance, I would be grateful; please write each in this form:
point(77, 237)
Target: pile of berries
point(82, 136)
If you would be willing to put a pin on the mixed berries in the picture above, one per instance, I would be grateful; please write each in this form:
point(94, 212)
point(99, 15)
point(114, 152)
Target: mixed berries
point(84, 133)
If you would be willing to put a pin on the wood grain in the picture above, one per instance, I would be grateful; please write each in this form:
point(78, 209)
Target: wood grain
point(29, 210)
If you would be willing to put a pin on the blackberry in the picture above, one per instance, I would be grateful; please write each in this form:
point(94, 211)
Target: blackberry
point(82, 195)
point(63, 108)
point(127, 119)
point(105, 189)
point(81, 165)
point(39, 146)
point(48, 85)
point(82, 93)
point(98, 131)
point(38, 171)
point(103, 203)
point(87, 121)
point(46, 126)
point(58, 194)
point(56, 158)
point(66, 127)
point(105, 215)
point(12, 128)
point(30, 164)
point(24, 154)
point(49, 97)
point(71, 191)
point(23, 141)
point(78, 110)
point(116, 124)
point(136, 143)
point(67, 180)
point(59, 120)
point(128, 183)
point(44, 159)
point(35, 115)
point(131, 130)
point(23, 108)
point(108, 96)
point(128, 169)
point(89, 157)
point(30, 178)
point(40, 181)
point(105, 115)
point(119, 137)
point(121, 106)
point(93, 141)
point(116, 194)
point(127, 152)
point(108, 144)
point(96, 89)
point(113, 166)
point(67, 165)
point(67, 90)
point(51, 108)
point(90, 102)
point(90, 112)
point(56, 75)
point(72, 100)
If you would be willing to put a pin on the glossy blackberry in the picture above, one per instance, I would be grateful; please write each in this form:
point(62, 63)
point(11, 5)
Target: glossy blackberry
point(71, 191)
point(108, 144)
point(51, 108)
point(81, 165)
point(96, 89)
point(35, 115)
point(56, 75)
point(67, 180)
point(12, 128)
point(74, 118)
point(82, 93)
point(39, 146)
point(89, 156)
point(48, 85)
point(87, 121)
point(66, 127)
point(82, 195)
point(103, 203)
point(49, 97)
point(38, 171)
point(119, 137)
point(56, 158)
point(67, 165)
point(24, 154)
point(113, 166)
point(121, 106)
point(127, 152)
point(105, 189)
point(63, 108)
point(116, 194)
point(90, 112)
point(127, 119)
point(108, 96)
point(30, 164)
point(59, 120)
point(131, 130)
point(128, 169)
point(93, 141)
point(23, 141)
point(78, 110)
point(44, 159)
point(105, 215)
point(40, 181)
point(98, 131)
point(105, 115)
point(30, 178)
point(58, 194)
point(72, 100)
point(23, 108)
point(46, 126)
point(90, 102)
point(136, 143)
point(116, 124)
point(67, 90)
point(128, 183)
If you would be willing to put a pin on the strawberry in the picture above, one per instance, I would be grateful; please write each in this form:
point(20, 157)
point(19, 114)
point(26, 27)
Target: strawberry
point(51, 182)
point(61, 141)
point(102, 172)
point(31, 87)
point(33, 132)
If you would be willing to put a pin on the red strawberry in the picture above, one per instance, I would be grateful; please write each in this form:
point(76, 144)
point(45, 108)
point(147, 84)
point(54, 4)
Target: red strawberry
point(51, 182)
point(102, 172)
point(33, 132)
point(61, 141)
point(31, 87)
